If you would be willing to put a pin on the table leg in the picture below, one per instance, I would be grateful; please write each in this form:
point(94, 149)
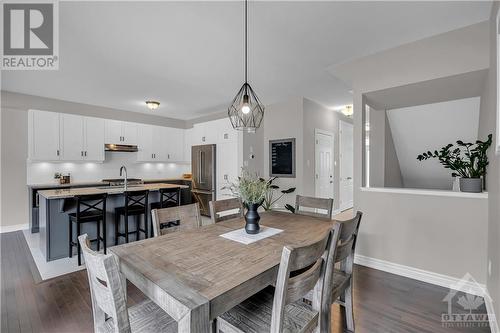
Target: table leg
point(197, 320)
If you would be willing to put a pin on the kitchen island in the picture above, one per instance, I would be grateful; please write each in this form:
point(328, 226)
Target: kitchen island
point(55, 204)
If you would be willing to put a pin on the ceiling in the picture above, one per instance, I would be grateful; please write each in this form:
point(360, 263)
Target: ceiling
point(189, 55)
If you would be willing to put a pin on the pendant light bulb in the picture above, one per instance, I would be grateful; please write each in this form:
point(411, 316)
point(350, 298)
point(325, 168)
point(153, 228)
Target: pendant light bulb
point(245, 107)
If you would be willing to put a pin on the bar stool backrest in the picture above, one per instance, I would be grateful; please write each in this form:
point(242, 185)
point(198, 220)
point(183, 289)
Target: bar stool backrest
point(92, 202)
point(170, 197)
point(136, 198)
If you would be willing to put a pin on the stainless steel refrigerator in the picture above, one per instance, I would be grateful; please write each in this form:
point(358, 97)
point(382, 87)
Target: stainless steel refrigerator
point(203, 174)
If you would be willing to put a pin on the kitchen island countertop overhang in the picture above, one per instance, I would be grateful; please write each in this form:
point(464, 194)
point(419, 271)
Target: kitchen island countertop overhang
point(65, 193)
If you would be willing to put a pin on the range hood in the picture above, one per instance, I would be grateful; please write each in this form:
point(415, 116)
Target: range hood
point(123, 148)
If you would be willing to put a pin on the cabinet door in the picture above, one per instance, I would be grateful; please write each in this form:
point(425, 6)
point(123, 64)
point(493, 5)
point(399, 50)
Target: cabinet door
point(71, 134)
point(44, 138)
point(158, 143)
point(174, 144)
point(129, 133)
point(113, 131)
point(225, 131)
point(145, 144)
point(211, 132)
point(188, 143)
point(198, 132)
point(94, 139)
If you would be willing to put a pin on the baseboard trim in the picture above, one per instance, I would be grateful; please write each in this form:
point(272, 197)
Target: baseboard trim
point(15, 227)
point(420, 274)
point(433, 278)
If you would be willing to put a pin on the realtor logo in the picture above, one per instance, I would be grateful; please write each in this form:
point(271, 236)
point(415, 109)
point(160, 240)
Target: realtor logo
point(466, 308)
point(30, 35)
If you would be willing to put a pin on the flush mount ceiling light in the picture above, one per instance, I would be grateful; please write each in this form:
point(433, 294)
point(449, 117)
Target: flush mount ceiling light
point(246, 111)
point(153, 105)
point(347, 110)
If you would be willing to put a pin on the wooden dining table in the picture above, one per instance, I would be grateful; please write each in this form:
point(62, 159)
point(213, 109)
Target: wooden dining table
point(195, 275)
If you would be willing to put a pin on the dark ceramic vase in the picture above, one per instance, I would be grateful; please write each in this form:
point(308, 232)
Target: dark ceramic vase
point(252, 219)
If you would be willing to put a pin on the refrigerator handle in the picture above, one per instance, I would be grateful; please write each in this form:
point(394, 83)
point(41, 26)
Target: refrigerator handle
point(200, 167)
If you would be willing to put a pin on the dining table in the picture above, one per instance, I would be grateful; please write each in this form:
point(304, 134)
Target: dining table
point(195, 275)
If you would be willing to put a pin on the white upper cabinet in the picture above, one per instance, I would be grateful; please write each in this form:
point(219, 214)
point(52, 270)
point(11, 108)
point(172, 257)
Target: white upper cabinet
point(129, 133)
point(72, 140)
point(94, 139)
point(121, 132)
point(225, 131)
point(65, 137)
point(173, 144)
point(43, 136)
point(188, 143)
point(151, 144)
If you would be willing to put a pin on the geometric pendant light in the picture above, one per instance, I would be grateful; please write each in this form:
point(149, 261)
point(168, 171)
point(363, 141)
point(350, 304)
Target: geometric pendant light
point(246, 111)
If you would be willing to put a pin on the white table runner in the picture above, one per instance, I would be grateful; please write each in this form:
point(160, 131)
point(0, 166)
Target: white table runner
point(241, 236)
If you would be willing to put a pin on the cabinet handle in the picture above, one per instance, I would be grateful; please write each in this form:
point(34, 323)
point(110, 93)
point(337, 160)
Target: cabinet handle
point(58, 152)
point(168, 156)
point(81, 153)
point(203, 138)
point(85, 153)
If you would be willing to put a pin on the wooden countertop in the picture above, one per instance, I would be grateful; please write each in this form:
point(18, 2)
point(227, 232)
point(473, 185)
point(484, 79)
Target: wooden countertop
point(64, 193)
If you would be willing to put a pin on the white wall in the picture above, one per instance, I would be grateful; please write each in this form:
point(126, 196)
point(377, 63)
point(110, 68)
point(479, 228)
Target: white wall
point(423, 221)
point(421, 128)
point(487, 125)
point(282, 121)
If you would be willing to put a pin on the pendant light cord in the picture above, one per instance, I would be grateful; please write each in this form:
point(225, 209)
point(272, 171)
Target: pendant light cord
point(246, 41)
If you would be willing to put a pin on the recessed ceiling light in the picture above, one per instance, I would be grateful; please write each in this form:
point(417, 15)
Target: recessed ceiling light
point(153, 105)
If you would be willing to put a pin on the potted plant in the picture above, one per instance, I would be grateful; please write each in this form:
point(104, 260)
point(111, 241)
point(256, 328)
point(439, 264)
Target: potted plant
point(252, 190)
point(467, 160)
point(270, 199)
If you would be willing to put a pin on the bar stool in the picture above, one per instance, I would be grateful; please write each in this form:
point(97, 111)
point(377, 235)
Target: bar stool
point(169, 197)
point(89, 208)
point(136, 204)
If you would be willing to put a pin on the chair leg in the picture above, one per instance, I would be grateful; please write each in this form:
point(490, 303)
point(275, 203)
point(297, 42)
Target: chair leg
point(98, 227)
point(70, 238)
point(126, 227)
point(117, 225)
point(78, 244)
point(104, 235)
point(349, 311)
point(137, 227)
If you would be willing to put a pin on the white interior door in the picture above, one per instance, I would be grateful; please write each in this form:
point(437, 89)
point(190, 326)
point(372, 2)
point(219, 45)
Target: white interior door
point(324, 165)
point(346, 165)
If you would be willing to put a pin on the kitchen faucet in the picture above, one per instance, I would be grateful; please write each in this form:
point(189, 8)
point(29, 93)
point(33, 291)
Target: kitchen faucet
point(123, 168)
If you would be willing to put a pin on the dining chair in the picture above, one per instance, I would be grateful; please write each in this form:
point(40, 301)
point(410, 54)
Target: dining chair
point(301, 269)
point(225, 206)
point(339, 271)
point(109, 299)
point(171, 219)
point(313, 204)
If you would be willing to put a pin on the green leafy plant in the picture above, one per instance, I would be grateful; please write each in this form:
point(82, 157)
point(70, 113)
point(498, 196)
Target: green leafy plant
point(466, 159)
point(270, 199)
point(250, 188)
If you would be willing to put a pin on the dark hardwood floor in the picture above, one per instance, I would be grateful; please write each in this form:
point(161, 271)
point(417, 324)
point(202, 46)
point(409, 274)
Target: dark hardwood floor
point(384, 303)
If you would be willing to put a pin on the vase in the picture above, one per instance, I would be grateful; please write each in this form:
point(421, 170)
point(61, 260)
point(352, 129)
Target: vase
point(252, 219)
point(472, 185)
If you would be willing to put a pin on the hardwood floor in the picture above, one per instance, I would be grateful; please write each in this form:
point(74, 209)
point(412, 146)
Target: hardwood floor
point(384, 303)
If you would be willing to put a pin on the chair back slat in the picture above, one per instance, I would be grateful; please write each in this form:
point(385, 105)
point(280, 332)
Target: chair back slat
point(301, 269)
point(302, 203)
point(167, 220)
point(301, 284)
point(350, 227)
point(107, 288)
point(222, 206)
point(344, 250)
